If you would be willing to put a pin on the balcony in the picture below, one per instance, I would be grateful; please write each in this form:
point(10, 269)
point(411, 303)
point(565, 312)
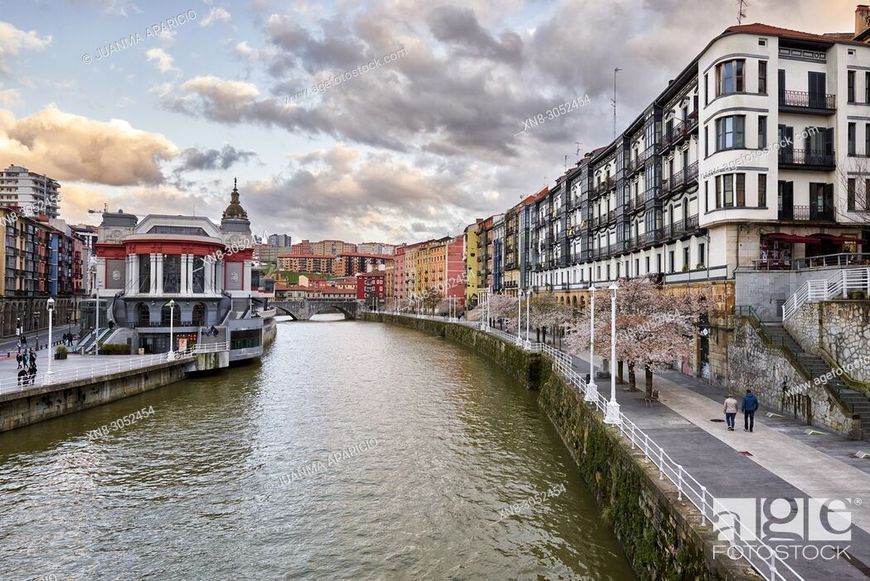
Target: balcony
point(651, 236)
point(691, 173)
point(692, 223)
point(825, 214)
point(806, 159)
point(803, 102)
point(611, 216)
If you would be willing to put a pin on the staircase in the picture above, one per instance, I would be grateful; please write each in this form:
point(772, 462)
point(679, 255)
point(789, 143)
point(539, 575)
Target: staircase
point(837, 285)
point(89, 341)
point(856, 401)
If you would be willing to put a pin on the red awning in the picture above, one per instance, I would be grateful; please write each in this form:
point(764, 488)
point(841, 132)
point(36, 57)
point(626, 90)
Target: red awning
point(839, 239)
point(793, 238)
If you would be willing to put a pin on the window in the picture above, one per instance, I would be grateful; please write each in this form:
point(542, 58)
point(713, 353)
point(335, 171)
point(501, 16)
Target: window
point(851, 195)
point(762, 190)
point(851, 138)
point(671, 260)
point(865, 206)
point(728, 190)
point(762, 131)
point(706, 142)
point(867, 139)
point(762, 77)
point(730, 132)
point(686, 258)
point(647, 264)
point(762, 42)
point(702, 257)
point(659, 262)
point(707, 91)
point(851, 86)
point(729, 77)
point(741, 190)
point(706, 196)
point(867, 88)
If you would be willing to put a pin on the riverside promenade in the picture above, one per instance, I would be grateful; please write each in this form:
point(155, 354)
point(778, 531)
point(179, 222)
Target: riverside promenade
point(779, 460)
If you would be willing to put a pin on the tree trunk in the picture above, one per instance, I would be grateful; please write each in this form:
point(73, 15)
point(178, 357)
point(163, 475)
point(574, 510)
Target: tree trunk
point(632, 380)
point(649, 381)
point(619, 372)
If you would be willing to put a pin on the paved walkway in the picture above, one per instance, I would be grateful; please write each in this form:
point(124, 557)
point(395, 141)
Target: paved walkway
point(778, 460)
point(68, 369)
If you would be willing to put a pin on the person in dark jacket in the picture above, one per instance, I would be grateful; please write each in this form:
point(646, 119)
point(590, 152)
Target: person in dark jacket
point(749, 405)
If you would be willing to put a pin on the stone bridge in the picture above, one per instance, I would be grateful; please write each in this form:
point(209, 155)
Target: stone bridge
point(304, 309)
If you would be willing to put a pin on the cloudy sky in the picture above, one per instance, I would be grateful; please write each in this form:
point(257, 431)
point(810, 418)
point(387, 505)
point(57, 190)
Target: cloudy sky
point(128, 103)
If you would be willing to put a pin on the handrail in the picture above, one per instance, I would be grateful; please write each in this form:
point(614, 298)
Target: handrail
point(837, 284)
point(770, 566)
point(107, 367)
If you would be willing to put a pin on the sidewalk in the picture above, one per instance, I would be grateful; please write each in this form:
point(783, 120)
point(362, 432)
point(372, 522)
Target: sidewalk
point(10, 344)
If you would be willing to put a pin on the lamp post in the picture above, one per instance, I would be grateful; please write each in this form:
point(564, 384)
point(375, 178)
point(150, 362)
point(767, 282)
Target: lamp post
point(528, 301)
point(612, 415)
point(93, 268)
point(171, 329)
point(50, 307)
point(519, 317)
point(591, 387)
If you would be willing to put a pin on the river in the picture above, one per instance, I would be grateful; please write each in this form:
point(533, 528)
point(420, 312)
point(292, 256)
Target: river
point(352, 451)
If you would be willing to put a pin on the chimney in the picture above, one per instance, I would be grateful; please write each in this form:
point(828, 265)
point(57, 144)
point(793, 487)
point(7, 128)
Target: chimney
point(862, 18)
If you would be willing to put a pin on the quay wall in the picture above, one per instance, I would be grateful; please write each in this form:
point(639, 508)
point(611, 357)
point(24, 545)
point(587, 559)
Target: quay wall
point(663, 537)
point(19, 409)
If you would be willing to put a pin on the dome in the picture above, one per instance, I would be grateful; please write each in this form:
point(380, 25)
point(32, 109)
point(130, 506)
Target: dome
point(234, 211)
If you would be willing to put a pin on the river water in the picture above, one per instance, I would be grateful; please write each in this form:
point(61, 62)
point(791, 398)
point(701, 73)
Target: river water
point(352, 451)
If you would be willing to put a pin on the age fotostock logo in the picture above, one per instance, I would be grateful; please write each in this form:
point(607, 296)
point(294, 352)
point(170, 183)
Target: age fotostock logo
point(806, 527)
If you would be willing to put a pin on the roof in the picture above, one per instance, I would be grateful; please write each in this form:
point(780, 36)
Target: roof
point(759, 28)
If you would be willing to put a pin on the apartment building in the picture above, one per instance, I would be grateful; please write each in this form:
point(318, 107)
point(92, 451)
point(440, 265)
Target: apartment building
point(352, 263)
point(299, 262)
point(755, 156)
point(472, 259)
point(32, 194)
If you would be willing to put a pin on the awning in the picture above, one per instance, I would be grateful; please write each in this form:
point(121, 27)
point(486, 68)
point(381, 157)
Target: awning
point(839, 239)
point(793, 238)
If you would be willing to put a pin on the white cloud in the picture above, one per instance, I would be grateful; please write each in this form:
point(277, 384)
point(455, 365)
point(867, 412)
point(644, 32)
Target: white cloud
point(216, 15)
point(163, 58)
point(13, 40)
point(9, 97)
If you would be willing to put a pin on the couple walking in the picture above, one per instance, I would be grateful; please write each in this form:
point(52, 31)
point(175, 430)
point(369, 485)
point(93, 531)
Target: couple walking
point(749, 404)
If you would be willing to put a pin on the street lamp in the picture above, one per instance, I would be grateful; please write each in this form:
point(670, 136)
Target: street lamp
point(92, 267)
point(50, 307)
point(171, 329)
point(528, 300)
point(591, 387)
point(612, 415)
point(519, 317)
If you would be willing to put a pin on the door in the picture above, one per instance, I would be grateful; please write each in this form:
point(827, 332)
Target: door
point(785, 200)
point(781, 86)
point(816, 84)
point(786, 144)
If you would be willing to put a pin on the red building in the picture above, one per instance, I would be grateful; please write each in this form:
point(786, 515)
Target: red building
point(370, 284)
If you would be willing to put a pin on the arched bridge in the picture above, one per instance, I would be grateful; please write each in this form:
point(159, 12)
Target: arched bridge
point(304, 309)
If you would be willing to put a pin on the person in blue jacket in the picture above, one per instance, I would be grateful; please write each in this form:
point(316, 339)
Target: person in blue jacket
point(749, 405)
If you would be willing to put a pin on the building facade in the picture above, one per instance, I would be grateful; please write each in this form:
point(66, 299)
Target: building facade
point(32, 194)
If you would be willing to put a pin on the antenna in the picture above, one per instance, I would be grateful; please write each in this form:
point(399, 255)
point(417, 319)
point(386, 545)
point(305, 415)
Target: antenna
point(566, 162)
point(742, 5)
point(578, 149)
point(616, 70)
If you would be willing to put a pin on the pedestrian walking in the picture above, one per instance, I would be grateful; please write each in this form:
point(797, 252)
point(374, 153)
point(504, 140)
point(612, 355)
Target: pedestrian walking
point(18, 359)
point(31, 374)
point(25, 359)
point(32, 356)
point(730, 411)
point(749, 405)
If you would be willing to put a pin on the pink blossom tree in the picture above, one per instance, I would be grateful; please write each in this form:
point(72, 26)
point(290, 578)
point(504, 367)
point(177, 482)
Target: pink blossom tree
point(653, 329)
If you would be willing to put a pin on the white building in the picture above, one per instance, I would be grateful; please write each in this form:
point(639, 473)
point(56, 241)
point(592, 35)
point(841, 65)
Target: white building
point(32, 193)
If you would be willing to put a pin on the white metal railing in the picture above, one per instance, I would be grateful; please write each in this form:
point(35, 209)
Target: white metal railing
point(760, 556)
point(107, 365)
point(836, 285)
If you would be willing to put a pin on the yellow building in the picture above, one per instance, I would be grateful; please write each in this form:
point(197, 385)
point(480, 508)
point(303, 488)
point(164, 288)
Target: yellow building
point(472, 263)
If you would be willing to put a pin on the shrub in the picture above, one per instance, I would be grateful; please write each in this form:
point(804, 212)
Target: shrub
point(114, 349)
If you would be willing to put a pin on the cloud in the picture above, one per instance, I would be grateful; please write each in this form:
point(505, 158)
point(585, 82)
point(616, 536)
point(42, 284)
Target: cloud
point(70, 147)
point(163, 58)
point(78, 198)
point(13, 40)
point(209, 159)
point(216, 15)
point(9, 97)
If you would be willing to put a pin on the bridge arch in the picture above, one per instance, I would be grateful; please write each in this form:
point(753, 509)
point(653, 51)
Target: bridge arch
point(285, 310)
point(319, 308)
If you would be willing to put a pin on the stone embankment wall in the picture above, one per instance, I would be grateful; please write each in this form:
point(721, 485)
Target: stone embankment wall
point(18, 409)
point(838, 331)
point(663, 537)
point(763, 367)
